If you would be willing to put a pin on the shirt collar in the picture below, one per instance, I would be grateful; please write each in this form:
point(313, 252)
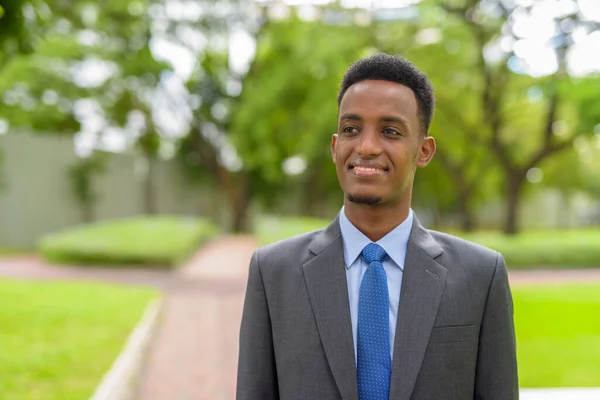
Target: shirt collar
point(394, 243)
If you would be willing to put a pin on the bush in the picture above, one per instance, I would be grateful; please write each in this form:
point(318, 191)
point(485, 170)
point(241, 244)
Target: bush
point(157, 240)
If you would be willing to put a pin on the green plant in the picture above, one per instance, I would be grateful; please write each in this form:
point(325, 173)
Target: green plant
point(151, 240)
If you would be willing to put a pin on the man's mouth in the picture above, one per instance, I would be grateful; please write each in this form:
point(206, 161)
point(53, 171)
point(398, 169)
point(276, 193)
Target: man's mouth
point(367, 171)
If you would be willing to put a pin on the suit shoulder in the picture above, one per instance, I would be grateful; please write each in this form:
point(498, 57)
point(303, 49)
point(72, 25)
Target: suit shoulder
point(295, 248)
point(465, 250)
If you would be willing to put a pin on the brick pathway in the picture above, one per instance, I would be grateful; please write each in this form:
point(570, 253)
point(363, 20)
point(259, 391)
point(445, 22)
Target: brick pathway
point(194, 356)
point(194, 352)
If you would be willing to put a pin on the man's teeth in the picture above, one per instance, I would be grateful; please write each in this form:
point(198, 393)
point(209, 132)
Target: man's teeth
point(364, 169)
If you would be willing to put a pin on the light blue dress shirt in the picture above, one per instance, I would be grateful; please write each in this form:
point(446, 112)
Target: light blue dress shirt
point(394, 244)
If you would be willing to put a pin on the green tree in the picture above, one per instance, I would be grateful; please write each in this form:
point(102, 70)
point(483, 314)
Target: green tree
point(89, 55)
point(207, 152)
point(288, 108)
point(461, 177)
point(503, 98)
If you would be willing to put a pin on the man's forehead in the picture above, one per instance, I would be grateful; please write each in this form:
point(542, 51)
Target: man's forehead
point(377, 95)
point(379, 89)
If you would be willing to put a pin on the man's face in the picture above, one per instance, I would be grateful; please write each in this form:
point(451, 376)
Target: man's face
point(379, 143)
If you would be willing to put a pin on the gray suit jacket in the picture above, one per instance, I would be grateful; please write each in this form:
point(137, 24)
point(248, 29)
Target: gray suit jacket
point(454, 337)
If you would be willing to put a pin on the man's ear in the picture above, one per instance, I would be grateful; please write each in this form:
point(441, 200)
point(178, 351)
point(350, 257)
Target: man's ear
point(333, 143)
point(426, 152)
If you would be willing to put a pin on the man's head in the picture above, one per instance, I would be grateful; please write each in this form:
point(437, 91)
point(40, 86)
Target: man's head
point(385, 109)
point(396, 69)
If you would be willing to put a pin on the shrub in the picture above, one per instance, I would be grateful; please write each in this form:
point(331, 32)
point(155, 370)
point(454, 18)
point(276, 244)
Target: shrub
point(157, 240)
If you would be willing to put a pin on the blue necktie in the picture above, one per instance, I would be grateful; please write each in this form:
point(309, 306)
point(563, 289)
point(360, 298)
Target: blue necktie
point(373, 343)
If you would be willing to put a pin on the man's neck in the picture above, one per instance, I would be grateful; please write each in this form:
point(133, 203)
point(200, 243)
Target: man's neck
point(375, 221)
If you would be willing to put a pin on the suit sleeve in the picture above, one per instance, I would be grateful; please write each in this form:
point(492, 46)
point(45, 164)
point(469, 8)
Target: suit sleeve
point(257, 375)
point(496, 376)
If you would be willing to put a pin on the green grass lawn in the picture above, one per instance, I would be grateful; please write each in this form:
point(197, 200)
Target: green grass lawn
point(552, 248)
point(159, 240)
point(57, 340)
point(558, 335)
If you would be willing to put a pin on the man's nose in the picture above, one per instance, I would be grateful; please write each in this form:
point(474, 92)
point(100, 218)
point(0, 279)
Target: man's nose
point(370, 143)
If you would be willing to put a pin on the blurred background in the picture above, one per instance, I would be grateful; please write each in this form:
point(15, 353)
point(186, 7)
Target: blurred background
point(136, 137)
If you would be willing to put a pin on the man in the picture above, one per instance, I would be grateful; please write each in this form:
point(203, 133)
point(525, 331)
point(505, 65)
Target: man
point(375, 306)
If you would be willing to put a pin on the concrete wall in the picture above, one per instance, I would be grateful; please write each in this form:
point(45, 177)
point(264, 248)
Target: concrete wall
point(37, 198)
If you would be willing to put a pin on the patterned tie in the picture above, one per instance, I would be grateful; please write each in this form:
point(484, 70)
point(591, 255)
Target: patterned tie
point(373, 344)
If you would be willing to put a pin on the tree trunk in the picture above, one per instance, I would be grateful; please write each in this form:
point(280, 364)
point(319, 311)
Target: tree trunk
point(313, 198)
point(87, 212)
point(564, 210)
point(150, 207)
point(464, 190)
point(436, 216)
point(236, 186)
point(467, 218)
point(241, 205)
point(513, 201)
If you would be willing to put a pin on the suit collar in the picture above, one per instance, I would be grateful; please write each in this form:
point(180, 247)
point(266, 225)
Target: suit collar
point(421, 238)
point(422, 288)
point(326, 237)
point(325, 277)
point(423, 284)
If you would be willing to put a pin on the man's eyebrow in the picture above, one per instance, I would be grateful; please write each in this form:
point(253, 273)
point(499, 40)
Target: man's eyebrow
point(398, 120)
point(353, 117)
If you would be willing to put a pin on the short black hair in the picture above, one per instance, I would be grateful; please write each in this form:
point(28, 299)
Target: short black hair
point(386, 67)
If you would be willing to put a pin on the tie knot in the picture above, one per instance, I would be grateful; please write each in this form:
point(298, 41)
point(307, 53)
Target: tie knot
point(373, 252)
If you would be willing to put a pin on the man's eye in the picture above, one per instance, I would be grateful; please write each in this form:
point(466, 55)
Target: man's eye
point(393, 132)
point(349, 129)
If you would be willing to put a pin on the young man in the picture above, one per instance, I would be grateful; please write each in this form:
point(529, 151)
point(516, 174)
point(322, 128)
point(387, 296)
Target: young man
point(375, 306)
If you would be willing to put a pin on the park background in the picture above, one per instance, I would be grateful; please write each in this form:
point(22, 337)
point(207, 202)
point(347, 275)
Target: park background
point(136, 136)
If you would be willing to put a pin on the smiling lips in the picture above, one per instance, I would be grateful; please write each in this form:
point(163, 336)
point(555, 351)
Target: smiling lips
point(367, 168)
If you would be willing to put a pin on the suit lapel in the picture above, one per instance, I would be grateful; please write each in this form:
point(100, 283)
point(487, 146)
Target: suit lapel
point(325, 277)
point(422, 288)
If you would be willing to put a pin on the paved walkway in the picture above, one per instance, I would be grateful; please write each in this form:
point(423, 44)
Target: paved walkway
point(194, 353)
point(194, 356)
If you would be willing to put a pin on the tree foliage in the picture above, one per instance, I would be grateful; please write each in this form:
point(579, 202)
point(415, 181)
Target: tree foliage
point(264, 134)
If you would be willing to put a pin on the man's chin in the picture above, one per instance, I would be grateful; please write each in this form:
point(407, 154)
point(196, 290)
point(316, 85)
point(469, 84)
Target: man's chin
point(369, 200)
